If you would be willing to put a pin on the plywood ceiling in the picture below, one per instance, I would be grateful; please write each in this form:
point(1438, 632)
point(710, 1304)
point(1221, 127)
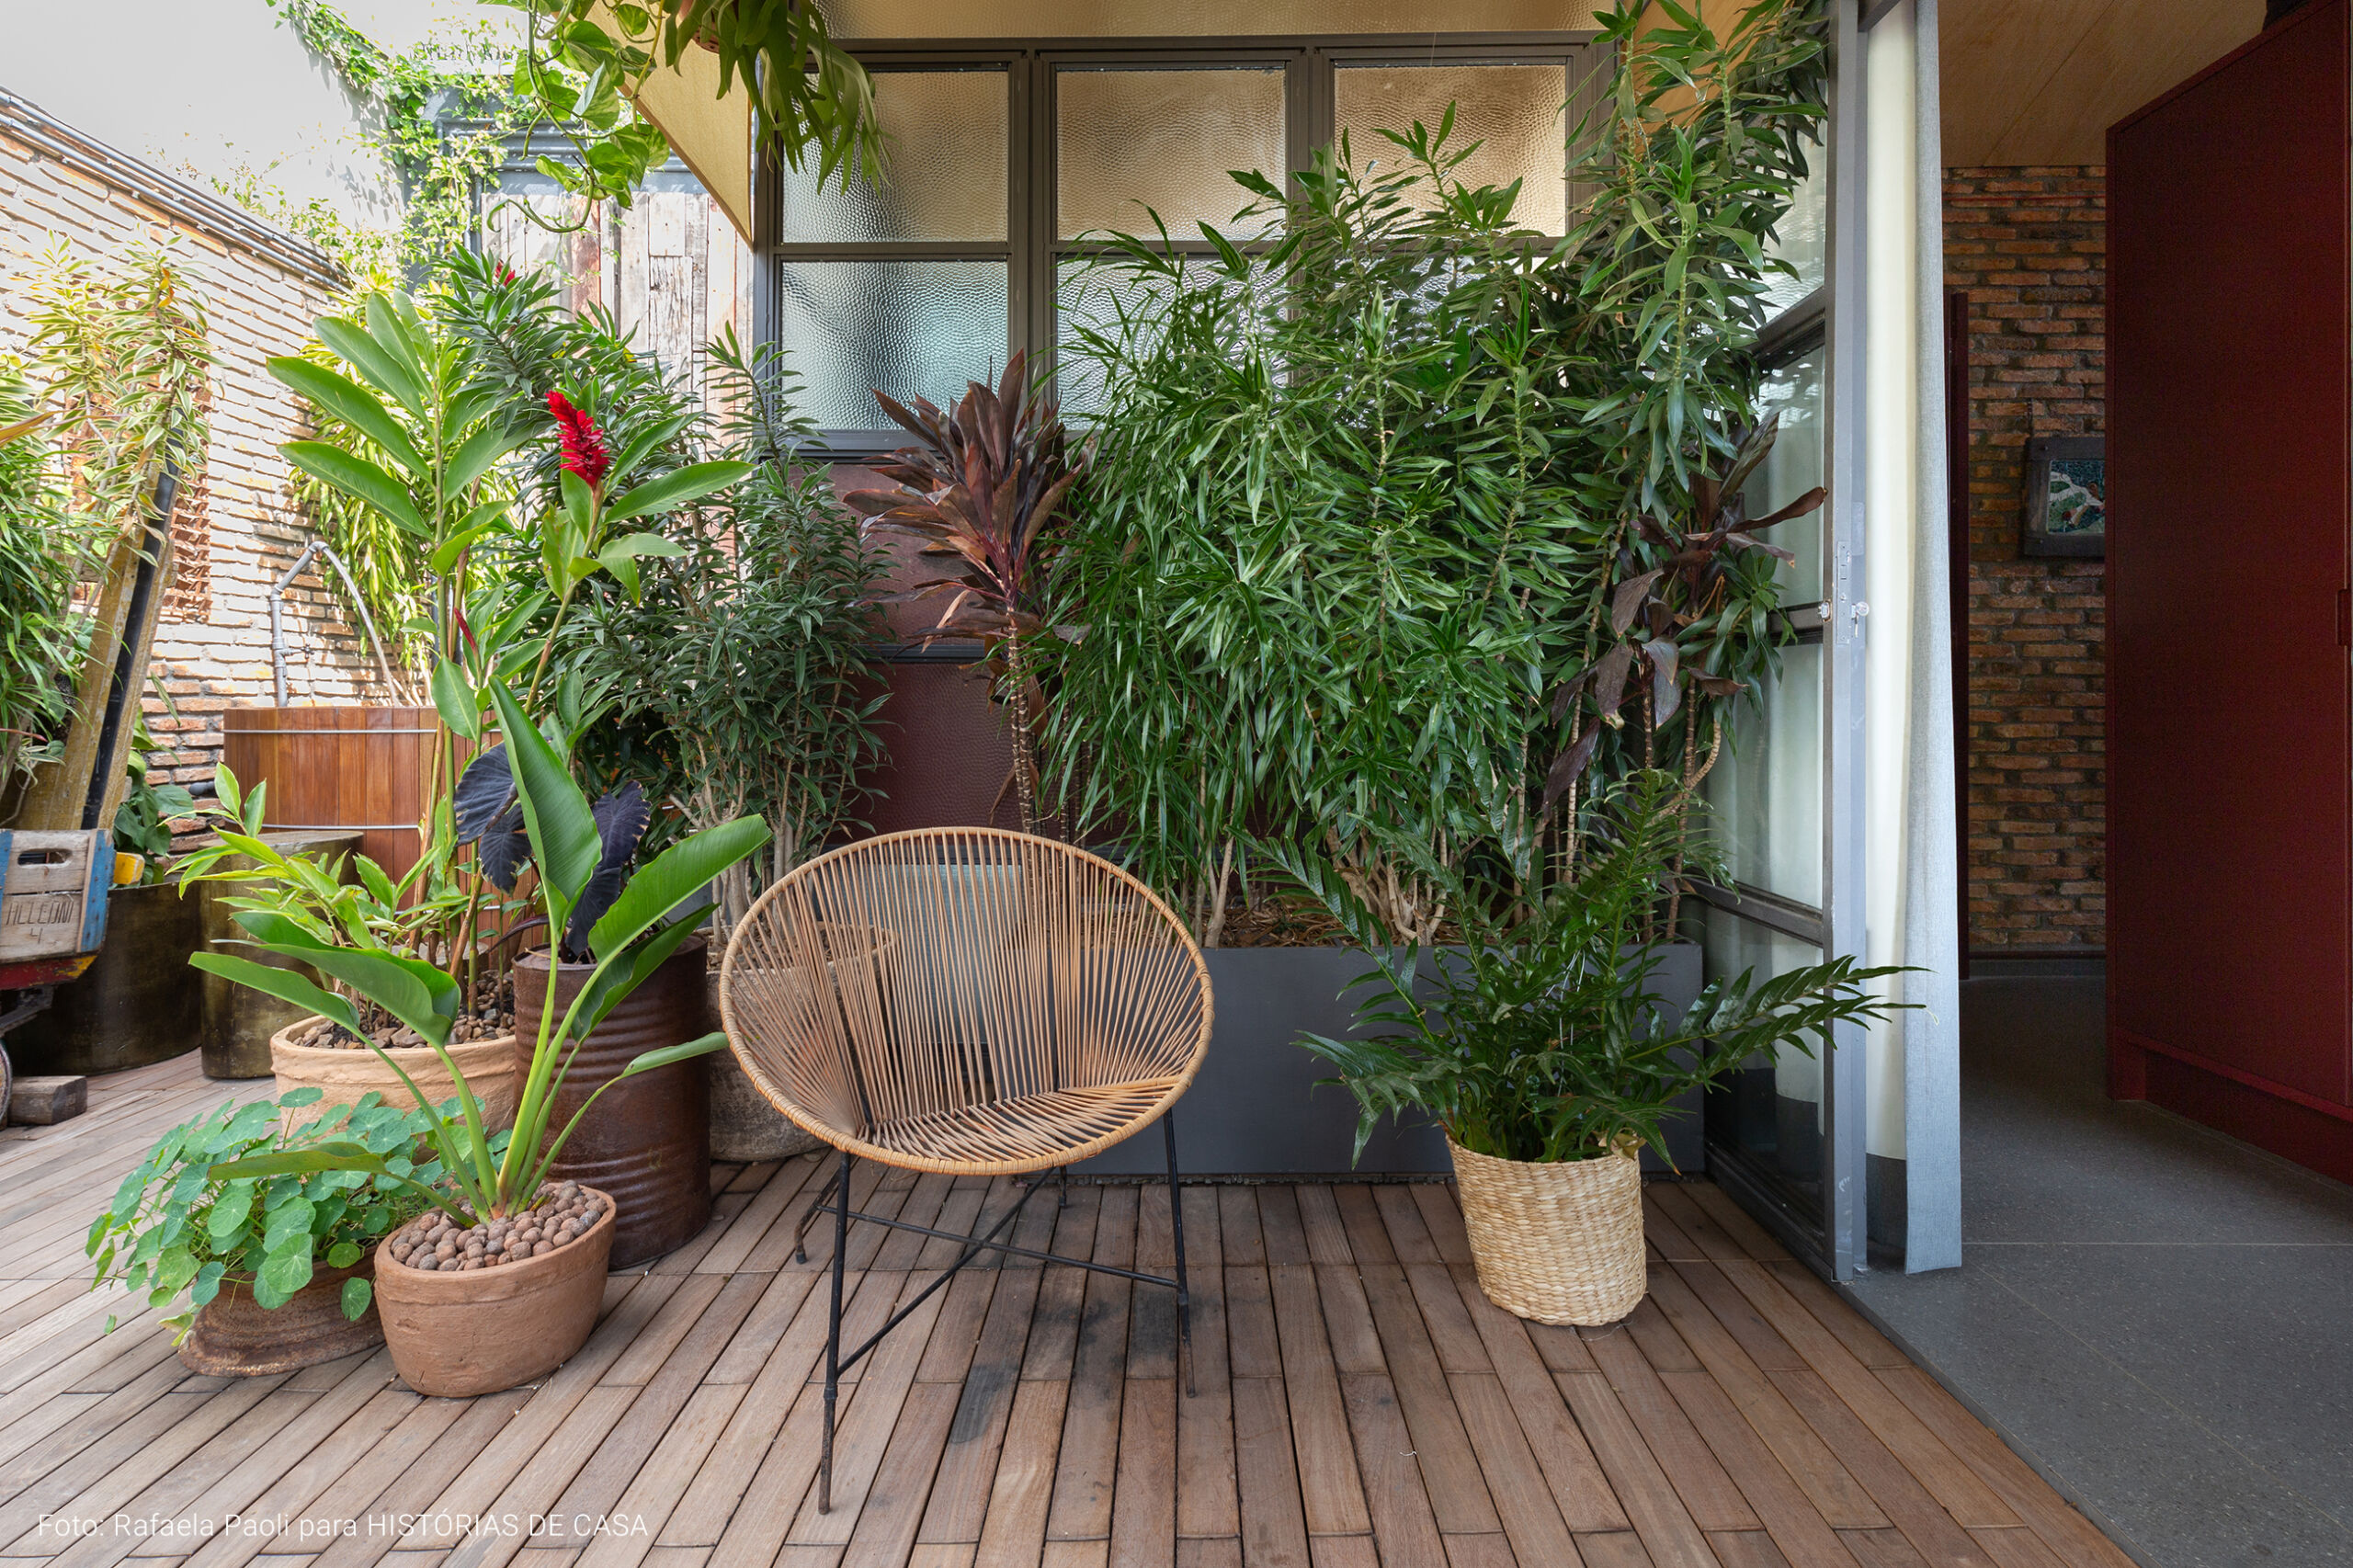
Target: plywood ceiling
point(2038, 82)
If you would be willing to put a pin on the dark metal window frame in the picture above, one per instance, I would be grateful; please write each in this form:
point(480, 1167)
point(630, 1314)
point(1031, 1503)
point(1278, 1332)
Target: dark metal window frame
point(1032, 246)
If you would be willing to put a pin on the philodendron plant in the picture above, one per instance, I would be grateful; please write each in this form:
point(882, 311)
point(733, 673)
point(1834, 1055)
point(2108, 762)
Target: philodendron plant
point(655, 911)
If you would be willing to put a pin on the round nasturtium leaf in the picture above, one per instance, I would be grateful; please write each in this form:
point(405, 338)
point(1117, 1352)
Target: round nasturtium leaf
point(343, 1255)
point(356, 1294)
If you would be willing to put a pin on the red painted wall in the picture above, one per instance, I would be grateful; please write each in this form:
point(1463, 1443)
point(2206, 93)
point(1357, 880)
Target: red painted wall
point(2230, 826)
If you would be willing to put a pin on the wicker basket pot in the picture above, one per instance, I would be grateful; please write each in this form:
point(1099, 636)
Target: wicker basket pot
point(1560, 1241)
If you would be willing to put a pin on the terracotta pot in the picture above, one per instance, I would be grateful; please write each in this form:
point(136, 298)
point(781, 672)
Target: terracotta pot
point(1560, 1241)
point(743, 1125)
point(346, 1075)
point(235, 1336)
point(456, 1334)
point(648, 1142)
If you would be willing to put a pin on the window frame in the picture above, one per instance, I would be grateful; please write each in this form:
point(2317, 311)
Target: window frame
point(1032, 247)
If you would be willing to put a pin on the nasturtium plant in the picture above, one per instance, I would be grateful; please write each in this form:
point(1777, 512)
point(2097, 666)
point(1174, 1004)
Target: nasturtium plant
point(176, 1234)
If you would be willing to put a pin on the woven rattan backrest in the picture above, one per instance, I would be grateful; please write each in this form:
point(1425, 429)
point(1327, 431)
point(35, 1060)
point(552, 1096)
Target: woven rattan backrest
point(923, 974)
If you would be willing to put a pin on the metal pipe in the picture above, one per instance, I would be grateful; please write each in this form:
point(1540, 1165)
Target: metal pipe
point(278, 618)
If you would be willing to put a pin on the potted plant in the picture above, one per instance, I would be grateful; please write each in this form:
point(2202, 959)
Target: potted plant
point(1543, 1050)
point(269, 1274)
point(348, 903)
point(1413, 505)
point(501, 1281)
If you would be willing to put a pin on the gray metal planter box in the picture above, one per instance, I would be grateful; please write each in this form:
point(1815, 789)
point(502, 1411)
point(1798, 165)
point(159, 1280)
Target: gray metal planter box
point(1257, 1108)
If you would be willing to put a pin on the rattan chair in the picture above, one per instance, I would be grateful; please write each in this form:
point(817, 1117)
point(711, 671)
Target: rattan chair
point(971, 1002)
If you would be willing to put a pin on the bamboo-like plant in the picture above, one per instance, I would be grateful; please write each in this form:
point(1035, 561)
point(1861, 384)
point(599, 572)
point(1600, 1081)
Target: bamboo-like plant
point(982, 493)
point(652, 912)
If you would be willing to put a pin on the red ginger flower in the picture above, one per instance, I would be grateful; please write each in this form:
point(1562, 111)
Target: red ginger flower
point(585, 455)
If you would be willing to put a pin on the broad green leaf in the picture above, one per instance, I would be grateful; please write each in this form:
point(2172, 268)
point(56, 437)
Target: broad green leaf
point(470, 462)
point(285, 1271)
point(562, 830)
point(385, 372)
point(286, 1223)
point(358, 478)
point(282, 983)
point(352, 403)
point(356, 1294)
point(673, 877)
point(343, 1255)
point(453, 698)
point(675, 489)
point(229, 1210)
point(685, 1052)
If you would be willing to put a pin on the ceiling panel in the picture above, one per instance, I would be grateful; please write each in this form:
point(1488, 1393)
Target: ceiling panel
point(2038, 82)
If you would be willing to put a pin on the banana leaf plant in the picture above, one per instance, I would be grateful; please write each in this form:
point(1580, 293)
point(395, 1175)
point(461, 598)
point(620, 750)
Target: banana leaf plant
point(652, 912)
point(1676, 588)
point(989, 477)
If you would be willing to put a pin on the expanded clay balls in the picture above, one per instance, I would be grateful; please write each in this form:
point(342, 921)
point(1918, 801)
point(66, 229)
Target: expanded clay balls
point(437, 1243)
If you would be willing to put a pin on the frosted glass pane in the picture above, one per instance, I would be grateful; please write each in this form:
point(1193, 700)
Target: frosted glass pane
point(1161, 140)
point(1100, 301)
point(1516, 112)
point(911, 328)
point(1766, 791)
point(1194, 18)
point(1794, 391)
point(1802, 238)
point(946, 131)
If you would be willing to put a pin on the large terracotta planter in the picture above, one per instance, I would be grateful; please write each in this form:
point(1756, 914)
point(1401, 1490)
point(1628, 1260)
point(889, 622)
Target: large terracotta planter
point(346, 1075)
point(137, 1002)
point(457, 1334)
point(648, 1142)
point(1560, 1241)
point(234, 1336)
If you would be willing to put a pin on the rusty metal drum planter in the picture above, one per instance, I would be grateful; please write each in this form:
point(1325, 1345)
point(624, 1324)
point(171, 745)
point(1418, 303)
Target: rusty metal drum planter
point(137, 1002)
point(648, 1142)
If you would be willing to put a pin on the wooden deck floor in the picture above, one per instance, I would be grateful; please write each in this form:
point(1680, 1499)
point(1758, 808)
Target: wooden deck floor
point(1359, 1404)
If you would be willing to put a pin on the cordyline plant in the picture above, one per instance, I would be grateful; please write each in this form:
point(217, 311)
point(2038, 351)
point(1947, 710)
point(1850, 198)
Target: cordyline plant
point(652, 913)
point(983, 489)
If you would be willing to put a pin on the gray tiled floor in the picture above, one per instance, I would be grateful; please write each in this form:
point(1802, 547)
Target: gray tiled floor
point(2161, 1317)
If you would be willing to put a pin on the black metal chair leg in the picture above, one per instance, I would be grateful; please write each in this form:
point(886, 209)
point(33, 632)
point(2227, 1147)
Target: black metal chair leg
point(1177, 1233)
point(817, 1206)
point(1061, 1186)
point(834, 1337)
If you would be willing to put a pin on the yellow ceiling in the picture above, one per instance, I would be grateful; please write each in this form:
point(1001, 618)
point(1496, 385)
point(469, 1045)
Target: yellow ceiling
point(2038, 82)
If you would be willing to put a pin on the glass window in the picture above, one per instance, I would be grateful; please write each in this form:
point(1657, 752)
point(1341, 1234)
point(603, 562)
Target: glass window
point(1802, 238)
point(1794, 391)
point(1189, 19)
point(1768, 1110)
point(909, 328)
point(946, 133)
point(1516, 113)
point(1129, 140)
point(1766, 792)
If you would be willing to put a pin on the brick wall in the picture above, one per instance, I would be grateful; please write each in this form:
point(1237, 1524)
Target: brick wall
point(237, 530)
point(2029, 245)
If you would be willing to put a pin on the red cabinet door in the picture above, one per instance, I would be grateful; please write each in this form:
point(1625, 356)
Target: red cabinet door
point(2230, 913)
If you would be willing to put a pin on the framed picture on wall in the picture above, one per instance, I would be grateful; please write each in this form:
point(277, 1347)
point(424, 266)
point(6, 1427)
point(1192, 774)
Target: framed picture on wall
point(2066, 497)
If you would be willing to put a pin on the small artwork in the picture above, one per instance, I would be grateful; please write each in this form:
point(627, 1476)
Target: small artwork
point(2066, 497)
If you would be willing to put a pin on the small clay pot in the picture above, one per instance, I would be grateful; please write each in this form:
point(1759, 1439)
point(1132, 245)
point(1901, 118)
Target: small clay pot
point(457, 1334)
point(235, 1336)
point(344, 1073)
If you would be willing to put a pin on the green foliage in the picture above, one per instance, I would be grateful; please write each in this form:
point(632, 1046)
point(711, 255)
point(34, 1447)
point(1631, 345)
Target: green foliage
point(39, 636)
point(652, 914)
point(582, 60)
point(1405, 512)
point(441, 114)
point(739, 678)
point(176, 1233)
point(1336, 524)
point(1542, 1037)
point(143, 822)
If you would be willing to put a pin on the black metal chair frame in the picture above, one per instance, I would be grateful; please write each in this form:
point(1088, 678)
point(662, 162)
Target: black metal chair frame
point(833, 1198)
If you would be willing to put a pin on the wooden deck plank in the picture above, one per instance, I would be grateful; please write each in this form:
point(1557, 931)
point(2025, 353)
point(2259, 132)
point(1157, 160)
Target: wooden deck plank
point(1358, 1402)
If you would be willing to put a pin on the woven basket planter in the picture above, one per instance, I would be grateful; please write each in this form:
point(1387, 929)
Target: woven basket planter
point(1558, 1242)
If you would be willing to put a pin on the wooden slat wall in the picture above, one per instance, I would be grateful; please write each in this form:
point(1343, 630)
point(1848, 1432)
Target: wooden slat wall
point(338, 766)
point(672, 269)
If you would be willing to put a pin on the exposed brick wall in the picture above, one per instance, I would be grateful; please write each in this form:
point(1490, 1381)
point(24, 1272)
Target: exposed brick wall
point(238, 529)
point(2030, 246)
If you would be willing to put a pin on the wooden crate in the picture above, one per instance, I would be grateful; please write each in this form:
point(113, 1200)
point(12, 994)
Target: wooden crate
point(54, 903)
